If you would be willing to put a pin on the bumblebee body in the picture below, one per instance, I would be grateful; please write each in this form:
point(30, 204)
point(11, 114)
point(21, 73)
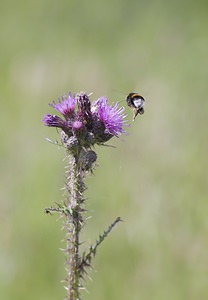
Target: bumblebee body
point(136, 102)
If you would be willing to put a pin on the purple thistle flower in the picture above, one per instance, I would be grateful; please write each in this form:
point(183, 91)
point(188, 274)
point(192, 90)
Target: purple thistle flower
point(77, 125)
point(111, 116)
point(53, 121)
point(65, 106)
point(82, 128)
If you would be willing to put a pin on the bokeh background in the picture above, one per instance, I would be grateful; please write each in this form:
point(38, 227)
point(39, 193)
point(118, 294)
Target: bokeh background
point(156, 178)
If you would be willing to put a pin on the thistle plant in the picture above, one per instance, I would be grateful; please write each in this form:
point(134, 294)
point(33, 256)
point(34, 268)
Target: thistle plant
point(82, 126)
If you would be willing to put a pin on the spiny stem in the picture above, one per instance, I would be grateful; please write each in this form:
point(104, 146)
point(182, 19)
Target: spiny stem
point(73, 224)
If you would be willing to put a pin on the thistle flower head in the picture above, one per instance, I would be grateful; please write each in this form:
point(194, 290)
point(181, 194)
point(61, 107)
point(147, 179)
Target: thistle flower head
point(65, 106)
point(53, 121)
point(112, 117)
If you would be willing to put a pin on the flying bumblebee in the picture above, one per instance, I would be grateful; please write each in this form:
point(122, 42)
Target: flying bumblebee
point(136, 102)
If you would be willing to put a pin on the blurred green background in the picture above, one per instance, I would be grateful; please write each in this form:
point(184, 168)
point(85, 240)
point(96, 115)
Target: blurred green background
point(156, 178)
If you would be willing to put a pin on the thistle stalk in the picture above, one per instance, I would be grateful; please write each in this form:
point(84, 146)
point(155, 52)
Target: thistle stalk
point(81, 130)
